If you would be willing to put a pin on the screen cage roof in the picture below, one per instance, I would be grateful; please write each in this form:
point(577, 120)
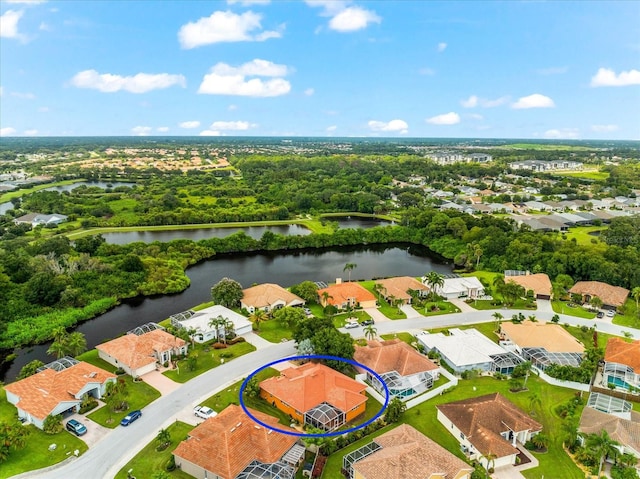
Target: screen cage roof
point(259, 470)
point(546, 358)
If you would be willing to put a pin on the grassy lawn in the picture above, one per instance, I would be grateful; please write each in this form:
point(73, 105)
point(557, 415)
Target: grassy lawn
point(554, 463)
point(341, 319)
point(485, 277)
point(139, 395)
point(385, 308)
point(444, 307)
point(588, 175)
point(149, 461)
point(208, 358)
point(91, 357)
point(586, 337)
point(578, 311)
point(582, 236)
point(406, 337)
point(273, 331)
point(630, 318)
point(484, 304)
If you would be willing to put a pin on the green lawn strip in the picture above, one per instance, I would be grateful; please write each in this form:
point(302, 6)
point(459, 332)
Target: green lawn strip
point(444, 307)
point(8, 412)
point(208, 358)
point(273, 331)
point(36, 453)
point(588, 175)
point(578, 311)
point(486, 277)
point(484, 304)
point(92, 357)
point(341, 319)
point(406, 337)
point(631, 316)
point(139, 395)
point(586, 337)
point(149, 461)
point(18, 193)
point(385, 308)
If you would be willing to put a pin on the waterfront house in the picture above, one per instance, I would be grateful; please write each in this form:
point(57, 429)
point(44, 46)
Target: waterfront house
point(37, 219)
point(400, 288)
point(467, 287)
point(342, 295)
point(199, 323)
point(268, 297)
point(57, 388)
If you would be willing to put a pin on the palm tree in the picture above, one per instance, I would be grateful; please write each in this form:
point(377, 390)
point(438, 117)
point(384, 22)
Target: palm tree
point(257, 317)
point(57, 348)
point(349, 267)
point(325, 298)
point(491, 460)
point(534, 401)
point(370, 332)
point(635, 294)
point(596, 302)
point(216, 323)
point(229, 329)
point(433, 280)
point(570, 428)
point(477, 253)
point(602, 446)
point(163, 437)
point(498, 317)
point(76, 344)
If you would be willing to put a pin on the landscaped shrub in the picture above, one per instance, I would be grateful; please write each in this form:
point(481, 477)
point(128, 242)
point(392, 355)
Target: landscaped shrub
point(219, 346)
point(226, 354)
point(88, 403)
point(171, 463)
point(53, 424)
point(237, 339)
point(119, 372)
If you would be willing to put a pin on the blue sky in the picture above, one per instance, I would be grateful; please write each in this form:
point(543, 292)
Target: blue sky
point(529, 69)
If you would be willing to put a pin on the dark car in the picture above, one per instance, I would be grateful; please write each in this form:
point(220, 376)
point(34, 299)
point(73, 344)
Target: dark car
point(132, 416)
point(76, 427)
point(600, 314)
point(367, 322)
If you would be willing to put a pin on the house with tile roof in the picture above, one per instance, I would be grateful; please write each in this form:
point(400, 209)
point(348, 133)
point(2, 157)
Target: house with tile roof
point(622, 364)
point(232, 445)
point(539, 283)
point(626, 432)
point(612, 296)
point(342, 295)
point(316, 395)
point(57, 388)
point(399, 289)
point(404, 370)
point(469, 350)
point(199, 322)
point(488, 425)
point(542, 343)
point(267, 297)
point(138, 351)
point(404, 453)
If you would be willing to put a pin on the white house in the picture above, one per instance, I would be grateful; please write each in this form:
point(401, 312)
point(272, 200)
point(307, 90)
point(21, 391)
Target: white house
point(35, 219)
point(200, 322)
point(468, 287)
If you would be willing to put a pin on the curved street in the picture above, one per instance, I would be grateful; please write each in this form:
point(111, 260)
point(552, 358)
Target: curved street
point(109, 455)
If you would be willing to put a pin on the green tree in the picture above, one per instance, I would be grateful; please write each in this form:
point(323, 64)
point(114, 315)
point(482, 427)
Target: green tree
point(570, 429)
point(13, 436)
point(596, 302)
point(534, 401)
point(52, 424)
point(252, 389)
point(602, 446)
point(540, 440)
point(434, 280)
point(289, 316)
point(395, 410)
point(511, 292)
point(257, 317)
point(349, 267)
point(635, 294)
point(76, 344)
point(227, 292)
point(498, 318)
point(307, 290)
point(163, 438)
point(115, 396)
point(305, 348)
point(370, 332)
point(30, 369)
point(331, 342)
point(217, 324)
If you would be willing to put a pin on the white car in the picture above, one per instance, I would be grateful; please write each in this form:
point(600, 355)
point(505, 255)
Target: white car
point(351, 325)
point(204, 412)
point(611, 313)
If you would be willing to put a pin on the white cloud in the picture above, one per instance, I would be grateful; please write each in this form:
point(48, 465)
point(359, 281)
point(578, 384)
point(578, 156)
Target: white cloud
point(189, 124)
point(309, 91)
point(552, 71)
point(604, 128)
point(8, 131)
point(210, 133)
point(562, 134)
point(30, 132)
point(533, 101)
point(427, 71)
point(442, 46)
point(141, 130)
point(344, 17)
point(45, 27)
point(393, 125)
point(475, 116)
point(607, 77)
point(26, 2)
point(474, 101)
point(450, 118)
point(225, 27)
point(9, 24)
point(231, 125)
point(23, 96)
point(232, 107)
point(248, 3)
point(162, 129)
point(224, 79)
point(140, 83)
point(332, 128)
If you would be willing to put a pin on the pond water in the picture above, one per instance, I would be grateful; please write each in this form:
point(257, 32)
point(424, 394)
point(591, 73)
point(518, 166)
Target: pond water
point(285, 269)
point(99, 184)
point(4, 207)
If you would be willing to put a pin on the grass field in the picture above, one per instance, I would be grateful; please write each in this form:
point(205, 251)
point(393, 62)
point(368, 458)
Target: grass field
point(586, 174)
point(385, 308)
point(273, 331)
point(630, 318)
point(554, 463)
point(149, 461)
point(582, 236)
point(406, 337)
point(578, 311)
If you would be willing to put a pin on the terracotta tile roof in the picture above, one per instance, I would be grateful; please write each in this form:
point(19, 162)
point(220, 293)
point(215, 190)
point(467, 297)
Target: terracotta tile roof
point(551, 337)
point(343, 292)
point(136, 351)
point(227, 443)
point(392, 355)
point(483, 418)
point(306, 386)
point(399, 287)
point(611, 295)
point(621, 352)
point(41, 393)
point(539, 283)
point(267, 294)
point(624, 431)
point(409, 454)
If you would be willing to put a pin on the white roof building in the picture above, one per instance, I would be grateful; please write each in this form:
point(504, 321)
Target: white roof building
point(199, 321)
point(470, 287)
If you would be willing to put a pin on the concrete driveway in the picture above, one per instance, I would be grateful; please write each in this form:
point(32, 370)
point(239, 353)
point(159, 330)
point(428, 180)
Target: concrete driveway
point(95, 432)
point(161, 382)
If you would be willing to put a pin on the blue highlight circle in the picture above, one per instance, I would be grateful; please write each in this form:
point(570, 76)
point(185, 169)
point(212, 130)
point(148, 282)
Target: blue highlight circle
point(325, 434)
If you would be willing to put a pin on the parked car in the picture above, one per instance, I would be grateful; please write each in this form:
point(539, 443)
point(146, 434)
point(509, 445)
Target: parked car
point(204, 412)
point(132, 416)
point(600, 314)
point(76, 427)
point(611, 313)
point(351, 325)
point(367, 322)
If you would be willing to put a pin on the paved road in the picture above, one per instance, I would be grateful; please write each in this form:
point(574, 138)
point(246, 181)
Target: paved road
point(113, 452)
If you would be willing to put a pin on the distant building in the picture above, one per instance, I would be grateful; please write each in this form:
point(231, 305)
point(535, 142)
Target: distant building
point(612, 296)
point(398, 288)
point(36, 219)
point(447, 158)
point(343, 295)
point(199, 322)
point(268, 297)
point(539, 283)
point(463, 287)
point(540, 165)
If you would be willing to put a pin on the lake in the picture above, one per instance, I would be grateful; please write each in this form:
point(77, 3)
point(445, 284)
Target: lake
point(285, 269)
